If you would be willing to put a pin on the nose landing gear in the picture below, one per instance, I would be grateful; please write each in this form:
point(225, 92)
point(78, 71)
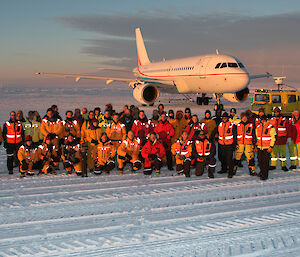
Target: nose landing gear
point(203, 99)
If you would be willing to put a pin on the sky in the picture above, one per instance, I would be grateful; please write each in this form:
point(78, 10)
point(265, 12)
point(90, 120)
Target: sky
point(74, 36)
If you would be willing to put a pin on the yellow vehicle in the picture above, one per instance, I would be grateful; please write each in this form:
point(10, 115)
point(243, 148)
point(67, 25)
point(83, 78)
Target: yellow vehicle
point(286, 100)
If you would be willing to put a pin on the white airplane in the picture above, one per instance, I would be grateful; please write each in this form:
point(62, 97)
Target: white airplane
point(222, 75)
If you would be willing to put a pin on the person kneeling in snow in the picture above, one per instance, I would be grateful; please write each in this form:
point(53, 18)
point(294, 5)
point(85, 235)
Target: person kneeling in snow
point(71, 155)
point(128, 152)
point(182, 149)
point(28, 156)
point(204, 151)
point(153, 151)
point(104, 156)
point(49, 154)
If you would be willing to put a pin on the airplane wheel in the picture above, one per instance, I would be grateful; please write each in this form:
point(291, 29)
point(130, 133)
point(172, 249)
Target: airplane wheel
point(206, 101)
point(199, 100)
point(151, 104)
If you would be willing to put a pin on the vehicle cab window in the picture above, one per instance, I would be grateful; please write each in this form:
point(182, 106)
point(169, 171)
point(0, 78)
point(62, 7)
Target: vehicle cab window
point(241, 65)
point(262, 98)
point(276, 98)
point(291, 98)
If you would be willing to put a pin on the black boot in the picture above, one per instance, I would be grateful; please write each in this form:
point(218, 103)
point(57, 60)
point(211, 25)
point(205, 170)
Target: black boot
point(10, 172)
point(293, 167)
point(272, 167)
point(285, 169)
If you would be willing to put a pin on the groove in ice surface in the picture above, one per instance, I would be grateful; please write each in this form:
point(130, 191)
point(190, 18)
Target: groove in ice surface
point(159, 216)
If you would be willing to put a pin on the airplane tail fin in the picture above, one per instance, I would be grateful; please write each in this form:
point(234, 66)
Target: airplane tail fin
point(142, 55)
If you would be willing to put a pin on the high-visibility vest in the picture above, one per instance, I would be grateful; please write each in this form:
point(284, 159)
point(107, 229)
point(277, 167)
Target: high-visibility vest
point(225, 133)
point(280, 126)
point(182, 147)
point(263, 135)
point(244, 133)
point(203, 147)
point(14, 132)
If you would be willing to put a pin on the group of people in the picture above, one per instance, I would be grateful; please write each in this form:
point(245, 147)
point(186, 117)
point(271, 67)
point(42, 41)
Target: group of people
point(99, 142)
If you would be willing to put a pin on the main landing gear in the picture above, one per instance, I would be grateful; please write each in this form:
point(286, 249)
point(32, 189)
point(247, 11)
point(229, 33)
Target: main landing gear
point(218, 105)
point(203, 99)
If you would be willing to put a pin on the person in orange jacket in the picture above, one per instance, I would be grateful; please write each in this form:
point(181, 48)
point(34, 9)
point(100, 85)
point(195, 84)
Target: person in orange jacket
point(49, 155)
point(116, 132)
point(128, 152)
point(204, 151)
point(266, 137)
point(226, 144)
point(71, 155)
point(182, 150)
point(70, 125)
point(104, 155)
point(53, 125)
point(93, 135)
point(29, 158)
point(13, 135)
point(179, 124)
point(153, 152)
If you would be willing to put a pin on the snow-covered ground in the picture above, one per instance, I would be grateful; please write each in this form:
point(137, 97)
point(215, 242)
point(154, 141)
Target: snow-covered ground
point(136, 215)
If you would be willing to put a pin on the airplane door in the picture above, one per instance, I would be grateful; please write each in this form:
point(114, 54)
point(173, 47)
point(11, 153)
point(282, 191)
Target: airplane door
point(202, 70)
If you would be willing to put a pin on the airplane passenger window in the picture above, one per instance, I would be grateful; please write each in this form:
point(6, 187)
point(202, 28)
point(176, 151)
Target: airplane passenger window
point(291, 98)
point(218, 65)
point(232, 65)
point(224, 65)
point(276, 98)
point(241, 65)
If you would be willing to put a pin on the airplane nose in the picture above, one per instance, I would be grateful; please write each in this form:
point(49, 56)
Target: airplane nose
point(241, 81)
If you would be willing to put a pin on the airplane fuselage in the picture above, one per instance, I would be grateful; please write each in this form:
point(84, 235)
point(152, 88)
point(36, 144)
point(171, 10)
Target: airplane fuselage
point(200, 74)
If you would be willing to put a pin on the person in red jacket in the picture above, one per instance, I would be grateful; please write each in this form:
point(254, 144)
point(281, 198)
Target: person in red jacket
point(280, 123)
point(142, 127)
point(194, 127)
point(294, 146)
point(166, 131)
point(153, 152)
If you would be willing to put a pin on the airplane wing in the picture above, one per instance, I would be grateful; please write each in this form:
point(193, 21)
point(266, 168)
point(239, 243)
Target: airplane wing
point(260, 76)
point(78, 77)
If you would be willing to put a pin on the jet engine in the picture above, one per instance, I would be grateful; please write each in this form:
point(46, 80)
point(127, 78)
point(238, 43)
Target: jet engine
point(238, 96)
point(145, 93)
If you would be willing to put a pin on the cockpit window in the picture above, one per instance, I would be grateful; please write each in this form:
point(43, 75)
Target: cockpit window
point(241, 65)
point(233, 65)
point(224, 65)
point(218, 65)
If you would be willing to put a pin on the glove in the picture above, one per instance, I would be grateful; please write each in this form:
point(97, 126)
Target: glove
point(180, 157)
point(76, 160)
point(122, 157)
point(94, 142)
point(270, 150)
point(128, 157)
point(152, 157)
point(200, 159)
point(5, 145)
point(289, 141)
